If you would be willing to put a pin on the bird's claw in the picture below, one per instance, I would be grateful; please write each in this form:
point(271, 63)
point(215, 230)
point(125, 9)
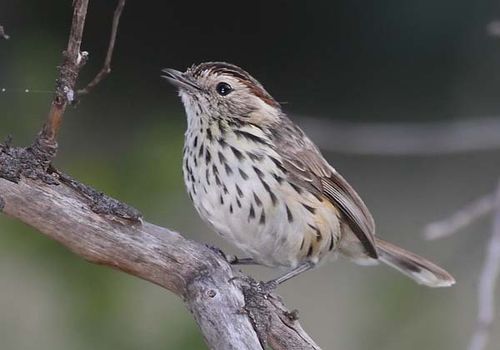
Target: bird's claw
point(267, 287)
point(216, 250)
point(231, 259)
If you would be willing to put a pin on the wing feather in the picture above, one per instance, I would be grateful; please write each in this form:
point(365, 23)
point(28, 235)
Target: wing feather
point(361, 222)
point(307, 169)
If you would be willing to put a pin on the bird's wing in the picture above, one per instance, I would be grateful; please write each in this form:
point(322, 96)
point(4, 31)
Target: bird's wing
point(307, 169)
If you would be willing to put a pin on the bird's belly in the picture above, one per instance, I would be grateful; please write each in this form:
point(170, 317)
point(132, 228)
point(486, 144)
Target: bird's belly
point(259, 231)
point(271, 223)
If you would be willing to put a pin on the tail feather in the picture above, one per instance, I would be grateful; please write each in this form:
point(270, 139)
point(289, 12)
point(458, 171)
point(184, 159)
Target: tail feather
point(419, 269)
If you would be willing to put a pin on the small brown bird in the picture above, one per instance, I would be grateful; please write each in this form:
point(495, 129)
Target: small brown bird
point(261, 183)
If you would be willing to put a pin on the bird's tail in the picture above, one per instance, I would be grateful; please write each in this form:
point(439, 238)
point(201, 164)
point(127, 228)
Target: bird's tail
point(417, 268)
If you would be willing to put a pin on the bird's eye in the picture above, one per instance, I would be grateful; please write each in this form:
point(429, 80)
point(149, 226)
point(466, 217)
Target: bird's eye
point(223, 89)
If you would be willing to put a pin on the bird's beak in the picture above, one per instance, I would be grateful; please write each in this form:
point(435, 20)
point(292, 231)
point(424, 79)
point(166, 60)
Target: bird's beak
point(179, 79)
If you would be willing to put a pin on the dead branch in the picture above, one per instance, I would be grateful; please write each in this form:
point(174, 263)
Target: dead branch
point(461, 218)
point(3, 35)
point(227, 309)
point(491, 267)
point(106, 68)
point(231, 309)
point(45, 144)
point(487, 283)
point(426, 138)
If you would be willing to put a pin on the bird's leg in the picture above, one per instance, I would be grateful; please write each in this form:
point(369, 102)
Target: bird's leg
point(218, 251)
point(290, 274)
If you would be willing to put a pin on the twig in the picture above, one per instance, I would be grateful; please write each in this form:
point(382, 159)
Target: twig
point(45, 145)
point(491, 266)
point(106, 68)
point(396, 139)
point(493, 28)
point(487, 283)
point(3, 34)
point(461, 218)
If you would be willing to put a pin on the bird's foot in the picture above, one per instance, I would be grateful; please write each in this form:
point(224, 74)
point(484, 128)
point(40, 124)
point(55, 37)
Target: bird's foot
point(242, 261)
point(219, 252)
point(267, 287)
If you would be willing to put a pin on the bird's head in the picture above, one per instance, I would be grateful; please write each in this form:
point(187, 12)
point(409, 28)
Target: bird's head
point(217, 90)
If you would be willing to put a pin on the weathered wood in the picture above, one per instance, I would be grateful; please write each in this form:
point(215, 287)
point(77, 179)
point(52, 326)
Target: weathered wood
point(229, 318)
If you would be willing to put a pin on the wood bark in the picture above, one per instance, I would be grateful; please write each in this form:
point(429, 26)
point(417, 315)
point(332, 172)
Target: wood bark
point(231, 309)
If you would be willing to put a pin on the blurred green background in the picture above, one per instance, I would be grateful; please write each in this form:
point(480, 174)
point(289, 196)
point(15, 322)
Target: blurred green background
point(363, 61)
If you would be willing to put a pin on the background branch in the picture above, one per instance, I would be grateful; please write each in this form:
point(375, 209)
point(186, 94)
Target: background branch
point(487, 283)
point(106, 68)
point(426, 138)
point(491, 266)
point(3, 34)
point(461, 218)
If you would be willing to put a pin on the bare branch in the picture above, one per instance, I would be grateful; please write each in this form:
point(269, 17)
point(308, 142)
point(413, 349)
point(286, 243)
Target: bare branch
point(493, 28)
point(491, 268)
point(3, 35)
point(460, 219)
point(45, 145)
point(430, 138)
point(487, 283)
point(106, 68)
point(229, 311)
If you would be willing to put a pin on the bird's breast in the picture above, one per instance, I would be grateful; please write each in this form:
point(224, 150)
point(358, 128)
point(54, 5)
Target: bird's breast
point(238, 186)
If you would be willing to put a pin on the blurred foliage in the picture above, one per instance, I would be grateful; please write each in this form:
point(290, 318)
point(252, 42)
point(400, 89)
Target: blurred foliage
point(352, 60)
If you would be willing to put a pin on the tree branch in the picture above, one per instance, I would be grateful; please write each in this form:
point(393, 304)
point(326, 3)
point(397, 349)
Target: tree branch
point(491, 267)
point(426, 138)
point(461, 218)
point(45, 145)
point(487, 283)
point(106, 68)
point(3, 35)
point(228, 310)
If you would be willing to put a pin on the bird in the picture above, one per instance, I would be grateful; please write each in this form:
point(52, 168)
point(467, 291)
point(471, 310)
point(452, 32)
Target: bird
point(258, 180)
